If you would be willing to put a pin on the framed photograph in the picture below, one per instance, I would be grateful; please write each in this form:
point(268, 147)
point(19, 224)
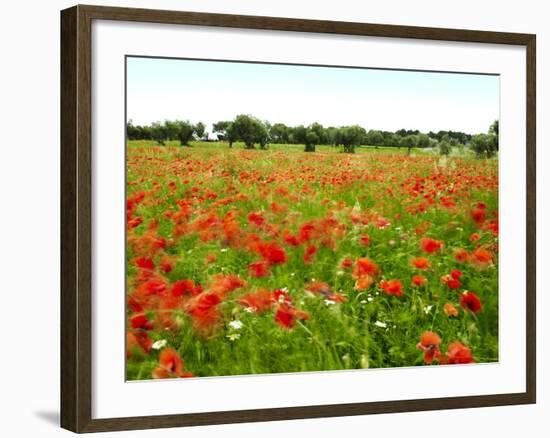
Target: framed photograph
point(272, 218)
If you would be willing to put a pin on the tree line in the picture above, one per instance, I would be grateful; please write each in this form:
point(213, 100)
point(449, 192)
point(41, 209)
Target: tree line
point(254, 132)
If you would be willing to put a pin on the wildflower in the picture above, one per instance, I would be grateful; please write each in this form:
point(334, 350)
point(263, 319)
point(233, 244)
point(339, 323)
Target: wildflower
point(365, 267)
point(420, 263)
point(419, 280)
point(482, 258)
point(429, 245)
point(233, 336)
point(458, 353)
point(144, 263)
point(470, 301)
point(380, 324)
point(170, 365)
point(272, 253)
point(182, 287)
point(429, 343)
point(450, 310)
point(160, 344)
point(392, 287)
point(259, 269)
point(287, 315)
point(461, 255)
point(235, 324)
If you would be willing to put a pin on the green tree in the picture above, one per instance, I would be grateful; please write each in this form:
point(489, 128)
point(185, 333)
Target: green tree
point(410, 141)
point(351, 137)
point(185, 133)
point(375, 138)
point(423, 140)
point(250, 130)
point(200, 130)
point(158, 133)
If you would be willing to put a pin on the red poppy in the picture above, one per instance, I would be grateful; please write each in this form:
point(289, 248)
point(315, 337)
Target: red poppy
point(272, 253)
point(482, 258)
point(166, 265)
point(461, 255)
point(475, 237)
point(430, 245)
point(145, 263)
point(420, 263)
point(470, 301)
point(419, 280)
point(393, 287)
point(347, 263)
point(204, 311)
point(259, 301)
point(170, 365)
point(456, 274)
point(309, 253)
point(259, 269)
point(458, 353)
point(450, 309)
point(287, 315)
point(152, 287)
point(365, 267)
point(256, 219)
point(365, 239)
point(182, 287)
point(429, 344)
point(141, 321)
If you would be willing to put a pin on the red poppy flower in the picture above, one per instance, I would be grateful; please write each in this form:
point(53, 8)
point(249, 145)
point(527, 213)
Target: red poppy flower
point(420, 263)
point(204, 311)
point(430, 245)
point(450, 309)
point(393, 287)
point(475, 237)
point(347, 263)
point(458, 353)
point(309, 253)
point(259, 301)
point(170, 365)
point(365, 267)
point(470, 301)
point(256, 219)
point(461, 255)
point(456, 274)
point(365, 239)
point(152, 287)
point(479, 215)
point(482, 258)
point(182, 287)
point(419, 280)
point(287, 315)
point(145, 263)
point(272, 253)
point(141, 321)
point(259, 269)
point(429, 343)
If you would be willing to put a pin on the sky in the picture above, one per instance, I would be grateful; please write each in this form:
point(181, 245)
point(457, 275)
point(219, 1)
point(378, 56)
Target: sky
point(210, 91)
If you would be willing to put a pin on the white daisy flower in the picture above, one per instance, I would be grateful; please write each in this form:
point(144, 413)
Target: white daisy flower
point(236, 324)
point(161, 343)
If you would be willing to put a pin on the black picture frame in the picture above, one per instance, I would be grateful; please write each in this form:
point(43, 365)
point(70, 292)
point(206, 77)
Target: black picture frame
point(76, 217)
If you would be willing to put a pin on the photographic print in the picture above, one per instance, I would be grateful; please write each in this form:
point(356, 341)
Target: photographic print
point(296, 218)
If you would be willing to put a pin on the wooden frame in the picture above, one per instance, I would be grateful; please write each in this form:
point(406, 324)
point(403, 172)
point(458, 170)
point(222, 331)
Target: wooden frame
point(76, 174)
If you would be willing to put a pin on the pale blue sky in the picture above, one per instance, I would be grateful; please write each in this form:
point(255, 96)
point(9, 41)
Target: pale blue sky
point(207, 91)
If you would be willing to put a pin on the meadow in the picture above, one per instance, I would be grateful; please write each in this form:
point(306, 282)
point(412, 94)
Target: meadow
point(270, 261)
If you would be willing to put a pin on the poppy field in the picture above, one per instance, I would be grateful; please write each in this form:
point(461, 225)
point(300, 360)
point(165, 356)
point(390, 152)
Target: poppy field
point(273, 261)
